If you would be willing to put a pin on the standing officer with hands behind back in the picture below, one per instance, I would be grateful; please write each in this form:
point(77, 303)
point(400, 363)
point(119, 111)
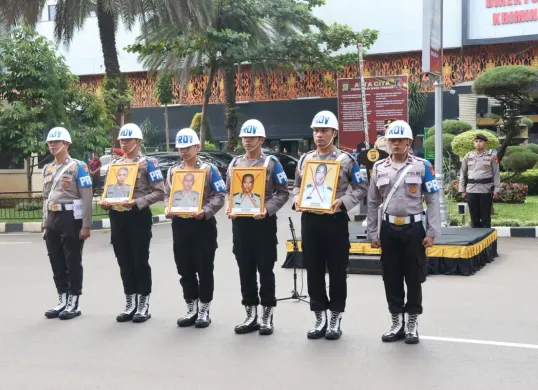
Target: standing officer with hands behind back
point(130, 225)
point(255, 238)
point(480, 175)
point(68, 195)
point(325, 236)
point(398, 184)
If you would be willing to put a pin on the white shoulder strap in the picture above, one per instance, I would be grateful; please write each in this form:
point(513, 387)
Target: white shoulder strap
point(169, 177)
point(267, 161)
point(58, 175)
point(341, 157)
point(395, 187)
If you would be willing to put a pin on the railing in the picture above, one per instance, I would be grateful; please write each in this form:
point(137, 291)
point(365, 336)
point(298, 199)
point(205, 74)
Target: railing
point(28, 206)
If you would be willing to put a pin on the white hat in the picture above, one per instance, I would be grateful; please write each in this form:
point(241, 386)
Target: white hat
point(130, 130)
point(59, 134)
point(252, 128)
point(325, 119)
point(399, 129)
point(186, 137)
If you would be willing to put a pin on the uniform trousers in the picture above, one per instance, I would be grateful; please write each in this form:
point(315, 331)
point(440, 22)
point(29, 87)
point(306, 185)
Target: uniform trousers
point(403, 258)
point(131, 236)
point(325, 241)
point(195, 243)
point(255, 249)
point(480, 209)
point(65, 250)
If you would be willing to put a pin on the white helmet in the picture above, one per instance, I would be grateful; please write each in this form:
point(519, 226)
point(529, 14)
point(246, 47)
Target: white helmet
point(186, 137)
point(252, 128)
point(399, 129)
point(325, 119)
point(59, 134)
point(130, 130)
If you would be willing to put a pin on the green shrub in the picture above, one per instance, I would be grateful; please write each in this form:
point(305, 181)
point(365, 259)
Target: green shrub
point(451, 191)
point(209, 146)
point(512, 222)
point(510, 192)
point(429, 143)
point(527, 122)
point(532, 147)
point(519, 159)
point(463, 143)
point(451, 126)
point(29, 206)
point(195, 125)
point(529, 178)
point(239, 149)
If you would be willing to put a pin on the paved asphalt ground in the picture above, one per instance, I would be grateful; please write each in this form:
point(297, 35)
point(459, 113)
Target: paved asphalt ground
point(478, 332)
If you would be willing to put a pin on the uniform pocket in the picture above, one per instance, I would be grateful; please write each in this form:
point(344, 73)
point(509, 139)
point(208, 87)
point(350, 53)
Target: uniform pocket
point(412, 184)
point(383, 185)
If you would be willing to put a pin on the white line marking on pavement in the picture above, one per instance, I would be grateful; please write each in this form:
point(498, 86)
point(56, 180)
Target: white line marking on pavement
point(482, 342)
point(15, 242)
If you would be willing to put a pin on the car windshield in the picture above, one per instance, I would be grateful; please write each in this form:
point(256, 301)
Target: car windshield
point(105, 160)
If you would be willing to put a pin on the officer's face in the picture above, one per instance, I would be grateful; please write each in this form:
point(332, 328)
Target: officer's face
point(321, 173)
point(250, 143)
point(122, 176)
point(129, 144)
point(323, 136)
point(479, 144)
point(248, 183)
point(188, 182)
point(188, 153)
point(54, 146)
point(399, 145)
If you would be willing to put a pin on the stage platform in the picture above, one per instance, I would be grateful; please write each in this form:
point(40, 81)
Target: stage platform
point(459, 251)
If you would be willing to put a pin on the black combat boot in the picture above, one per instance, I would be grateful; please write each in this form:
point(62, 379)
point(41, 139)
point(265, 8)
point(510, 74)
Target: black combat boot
point(411, 330)
point(130, 309)
point(190, 318)
point(397, 331)
point(251, 322)
point(72, 309)
point(142, 312)
point(319, 330)
point(55, 311)
point(333, 331)
point(266, 327)
point(203, 319)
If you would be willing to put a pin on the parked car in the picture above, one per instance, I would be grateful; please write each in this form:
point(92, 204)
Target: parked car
point(167, 160)
point(289, 163)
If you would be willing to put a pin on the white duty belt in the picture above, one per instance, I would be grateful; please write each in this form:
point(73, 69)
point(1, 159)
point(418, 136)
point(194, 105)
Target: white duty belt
point(401, 221)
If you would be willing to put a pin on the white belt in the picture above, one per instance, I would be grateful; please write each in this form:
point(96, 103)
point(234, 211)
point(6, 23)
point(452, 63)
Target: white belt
point(400, 221)
point(61, 207)
point(119, 208)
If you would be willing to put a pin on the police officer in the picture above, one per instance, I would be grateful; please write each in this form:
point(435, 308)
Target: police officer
point(130, 225)
point(255, 238)
point(382, 143)
point(195, 237)
point(68, 195)
point(399, 183)
point(325, 236)
point(480, 175)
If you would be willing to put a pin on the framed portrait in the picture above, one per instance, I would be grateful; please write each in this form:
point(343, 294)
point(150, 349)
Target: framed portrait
point(247, 191)
point(318, 188)
point(120, 182)
point(187, 192)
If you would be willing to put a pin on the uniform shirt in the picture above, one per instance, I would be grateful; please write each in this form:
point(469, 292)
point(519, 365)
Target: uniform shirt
point(480, 167)
point(214, 188)
point(75, 183)
point(276, 185)
point(186, 199)
point(317, 196)
point(116, 191)
point(350, 176)
point(246, 201)
point(419, 182)
point(382, 144)
point(149, 185)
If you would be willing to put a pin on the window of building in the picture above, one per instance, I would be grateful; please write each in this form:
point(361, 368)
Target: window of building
point(52, 12)
point(8, 161)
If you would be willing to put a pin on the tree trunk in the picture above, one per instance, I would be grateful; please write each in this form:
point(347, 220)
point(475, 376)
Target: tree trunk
point(107, 33)
point(166, 129)
point(207, 96)
point(231, 118)
point(29, 173)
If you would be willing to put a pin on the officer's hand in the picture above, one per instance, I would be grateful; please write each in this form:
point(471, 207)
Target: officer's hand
point(375, 244)
point(169, 214)
point(428, 242)
point(104, 204)
point(337, 205)
point(84, 233)
point(261, 215)
point(44, 233)
point(229, 213)
point(129, 204)
point(464, 195)
point(199, 215)
point(496, 196)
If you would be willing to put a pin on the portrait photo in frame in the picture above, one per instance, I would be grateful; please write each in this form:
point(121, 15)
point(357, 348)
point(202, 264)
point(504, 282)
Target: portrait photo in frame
point(120, 182)
point(247, 191)
point(187, 191)
point(318, 186)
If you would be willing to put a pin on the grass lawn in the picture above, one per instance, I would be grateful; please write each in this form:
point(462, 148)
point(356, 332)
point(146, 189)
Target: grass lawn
point(506, 214)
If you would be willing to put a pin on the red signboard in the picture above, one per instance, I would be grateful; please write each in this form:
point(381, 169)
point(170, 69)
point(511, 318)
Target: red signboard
point(432, 40)
point(386, 98)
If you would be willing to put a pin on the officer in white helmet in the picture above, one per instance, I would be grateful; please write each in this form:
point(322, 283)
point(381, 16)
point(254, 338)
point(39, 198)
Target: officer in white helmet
point(325, 236)
point(255, 238)
point(130, 225)
point(195, 235)
point(398, 224)
point(67, 215)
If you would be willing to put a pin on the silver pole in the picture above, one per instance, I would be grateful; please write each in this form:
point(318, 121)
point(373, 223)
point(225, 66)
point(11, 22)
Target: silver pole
point(439, 134)
point(363, 94)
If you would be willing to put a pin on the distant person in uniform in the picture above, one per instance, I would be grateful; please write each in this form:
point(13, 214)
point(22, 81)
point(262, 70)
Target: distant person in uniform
point(186, 197)
point(318, 194)
point(246, 199)
point(479, 177)
point(120, 189)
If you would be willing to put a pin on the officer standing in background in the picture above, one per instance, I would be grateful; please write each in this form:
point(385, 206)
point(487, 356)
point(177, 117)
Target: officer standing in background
point(68, 195)
point(399, 184)
point(325, 236)
point(130, 225)
point(255, 238)
point(480, 174)
point(195, 237)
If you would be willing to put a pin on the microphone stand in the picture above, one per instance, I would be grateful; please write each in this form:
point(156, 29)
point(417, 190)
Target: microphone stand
point(294, 293)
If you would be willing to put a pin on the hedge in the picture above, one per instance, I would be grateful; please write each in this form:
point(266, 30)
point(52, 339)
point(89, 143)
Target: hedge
point(510, 192)
point(529, 178)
